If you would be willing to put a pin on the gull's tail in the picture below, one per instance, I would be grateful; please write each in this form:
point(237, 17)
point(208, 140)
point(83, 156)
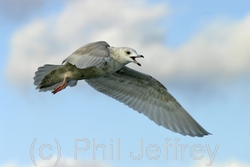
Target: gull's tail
point(47, 78)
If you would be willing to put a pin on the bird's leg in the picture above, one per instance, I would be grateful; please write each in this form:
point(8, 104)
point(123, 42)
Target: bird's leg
point(60, 87)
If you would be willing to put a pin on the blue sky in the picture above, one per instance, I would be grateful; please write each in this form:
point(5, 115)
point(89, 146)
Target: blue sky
point(198, 50)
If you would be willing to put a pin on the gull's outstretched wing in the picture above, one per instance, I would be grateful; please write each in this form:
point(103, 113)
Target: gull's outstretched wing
point(92, 54)
point(148, 96)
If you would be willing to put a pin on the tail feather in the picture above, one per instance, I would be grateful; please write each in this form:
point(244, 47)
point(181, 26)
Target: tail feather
point(42, 73)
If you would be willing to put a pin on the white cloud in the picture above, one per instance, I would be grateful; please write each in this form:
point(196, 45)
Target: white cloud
point(218, 54)
point(68, 162)
point(64, 162)
point(229, 163)
point(53, 39)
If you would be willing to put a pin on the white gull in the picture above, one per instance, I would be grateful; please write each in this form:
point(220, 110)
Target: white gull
point(103, 68)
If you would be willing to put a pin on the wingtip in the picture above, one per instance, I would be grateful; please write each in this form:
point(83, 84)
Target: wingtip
point(203, 135)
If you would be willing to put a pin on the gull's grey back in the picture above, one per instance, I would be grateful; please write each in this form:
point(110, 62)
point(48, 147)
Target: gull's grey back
point(92, 54)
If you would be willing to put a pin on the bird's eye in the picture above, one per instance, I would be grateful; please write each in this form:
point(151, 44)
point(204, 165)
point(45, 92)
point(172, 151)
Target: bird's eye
point(128, 52)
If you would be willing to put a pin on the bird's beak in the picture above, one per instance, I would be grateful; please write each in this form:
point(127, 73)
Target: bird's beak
point(138, 56)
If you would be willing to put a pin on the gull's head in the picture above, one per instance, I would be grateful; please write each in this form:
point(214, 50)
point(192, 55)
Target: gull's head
point(129, 55)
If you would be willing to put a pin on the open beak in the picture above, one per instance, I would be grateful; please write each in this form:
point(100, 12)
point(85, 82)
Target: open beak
point(133, 58)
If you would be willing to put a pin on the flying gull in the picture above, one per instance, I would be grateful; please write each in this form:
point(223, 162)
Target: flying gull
point(104, 68)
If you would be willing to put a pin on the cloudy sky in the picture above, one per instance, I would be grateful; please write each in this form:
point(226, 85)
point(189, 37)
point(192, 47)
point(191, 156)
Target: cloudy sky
point(200, 50)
